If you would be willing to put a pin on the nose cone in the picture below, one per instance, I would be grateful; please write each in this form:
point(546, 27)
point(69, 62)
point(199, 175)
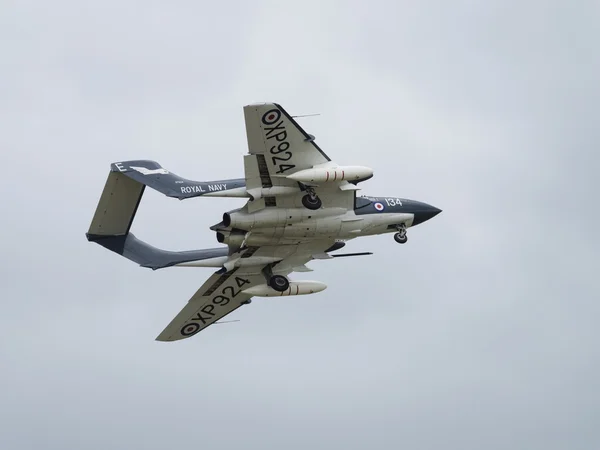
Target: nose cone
point(424, 212)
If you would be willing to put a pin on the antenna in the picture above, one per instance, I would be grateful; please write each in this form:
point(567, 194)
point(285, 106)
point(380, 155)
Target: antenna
point(307, 115)
point(227, 321)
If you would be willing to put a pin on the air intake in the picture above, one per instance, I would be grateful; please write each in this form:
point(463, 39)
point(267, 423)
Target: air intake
point(226, 220)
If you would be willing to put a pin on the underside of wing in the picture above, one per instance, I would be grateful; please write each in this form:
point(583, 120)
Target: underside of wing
point(225, 291)
point(220, 295)
point(286, 147)
point(278, 147)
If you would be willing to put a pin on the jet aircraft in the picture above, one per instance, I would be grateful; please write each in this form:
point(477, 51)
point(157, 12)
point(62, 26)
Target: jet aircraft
point(301, 206)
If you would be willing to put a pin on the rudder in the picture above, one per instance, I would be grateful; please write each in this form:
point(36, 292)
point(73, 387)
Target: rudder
point(117, 206)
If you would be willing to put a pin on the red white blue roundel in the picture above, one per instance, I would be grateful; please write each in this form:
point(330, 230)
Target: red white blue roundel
point(190, 329)
point(379, 206)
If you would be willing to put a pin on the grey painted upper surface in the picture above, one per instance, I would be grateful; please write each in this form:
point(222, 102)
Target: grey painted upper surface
point(153, 175)
point(383, 205)
point(149, 256)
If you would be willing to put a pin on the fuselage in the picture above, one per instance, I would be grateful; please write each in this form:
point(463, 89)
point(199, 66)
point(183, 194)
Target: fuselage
point(272, 226)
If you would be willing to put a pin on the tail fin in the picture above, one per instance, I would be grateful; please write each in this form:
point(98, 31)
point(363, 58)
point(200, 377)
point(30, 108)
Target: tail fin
point(117, 206)
point(112, 221)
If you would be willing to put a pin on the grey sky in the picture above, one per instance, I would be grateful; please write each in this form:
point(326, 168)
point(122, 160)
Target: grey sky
point(479, 333)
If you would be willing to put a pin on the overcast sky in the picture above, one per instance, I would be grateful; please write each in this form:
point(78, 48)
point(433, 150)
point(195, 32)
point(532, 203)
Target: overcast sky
point(480, 333)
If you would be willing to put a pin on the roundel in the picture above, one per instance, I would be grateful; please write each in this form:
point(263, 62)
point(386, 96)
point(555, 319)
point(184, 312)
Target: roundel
point(190, 329)
point(379, 206)
point(271, 116)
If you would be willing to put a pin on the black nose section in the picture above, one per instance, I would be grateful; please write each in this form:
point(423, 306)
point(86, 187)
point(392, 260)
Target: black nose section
point(425, 212)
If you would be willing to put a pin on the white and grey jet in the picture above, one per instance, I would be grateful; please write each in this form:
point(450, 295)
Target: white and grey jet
point(301, 206)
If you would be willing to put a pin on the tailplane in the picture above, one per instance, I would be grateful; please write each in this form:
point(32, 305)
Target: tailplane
point(114, 216)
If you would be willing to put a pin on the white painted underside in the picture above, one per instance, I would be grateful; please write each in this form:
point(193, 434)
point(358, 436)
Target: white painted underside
point(211, 262)
point(303, 287)
point(235, 193)
point(294, 245)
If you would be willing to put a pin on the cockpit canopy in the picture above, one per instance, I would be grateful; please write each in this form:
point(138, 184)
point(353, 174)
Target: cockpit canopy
point(361, 202)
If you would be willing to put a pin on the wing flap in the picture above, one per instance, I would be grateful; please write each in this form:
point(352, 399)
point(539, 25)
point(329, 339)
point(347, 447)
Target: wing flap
point(255, 182)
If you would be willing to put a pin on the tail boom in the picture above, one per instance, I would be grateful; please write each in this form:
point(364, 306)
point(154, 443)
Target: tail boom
point(151, 174)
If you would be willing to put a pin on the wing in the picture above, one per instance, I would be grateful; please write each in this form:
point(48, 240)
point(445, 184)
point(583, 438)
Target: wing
point(279, 147)
point(220, 295)
point(223, 292)
point(286, 147)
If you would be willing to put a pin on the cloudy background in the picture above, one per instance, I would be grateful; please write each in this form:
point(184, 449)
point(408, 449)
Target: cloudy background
point(481, 332)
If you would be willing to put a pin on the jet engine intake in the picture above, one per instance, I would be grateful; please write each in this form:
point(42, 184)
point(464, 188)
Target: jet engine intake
point(231, 238)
